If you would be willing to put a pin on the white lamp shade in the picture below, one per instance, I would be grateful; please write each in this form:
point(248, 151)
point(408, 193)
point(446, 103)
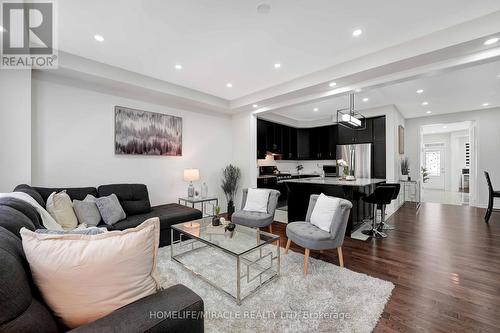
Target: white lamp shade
point(191, 175)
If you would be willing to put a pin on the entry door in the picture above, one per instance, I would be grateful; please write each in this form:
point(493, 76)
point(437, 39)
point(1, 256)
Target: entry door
point(434, 162)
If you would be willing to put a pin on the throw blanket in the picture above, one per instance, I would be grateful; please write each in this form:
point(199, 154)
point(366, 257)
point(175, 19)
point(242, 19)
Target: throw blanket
point(47, 220)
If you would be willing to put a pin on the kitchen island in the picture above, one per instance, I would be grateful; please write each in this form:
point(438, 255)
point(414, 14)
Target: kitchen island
point(299, 191)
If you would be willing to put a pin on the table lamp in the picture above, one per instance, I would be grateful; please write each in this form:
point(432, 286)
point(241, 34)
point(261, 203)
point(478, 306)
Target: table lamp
point(191, 175)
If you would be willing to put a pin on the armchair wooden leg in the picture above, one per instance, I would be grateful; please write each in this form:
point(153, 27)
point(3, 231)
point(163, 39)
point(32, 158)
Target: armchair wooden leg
point(306, 257)
point(288, 242)
point(341, 257)
point(270, 228)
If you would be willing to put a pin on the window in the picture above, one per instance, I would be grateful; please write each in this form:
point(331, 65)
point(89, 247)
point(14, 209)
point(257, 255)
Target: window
point(433, 162)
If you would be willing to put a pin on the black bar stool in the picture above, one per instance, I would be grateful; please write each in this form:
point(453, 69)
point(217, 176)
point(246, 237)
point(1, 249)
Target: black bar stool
point(381, 196)
point(492, 195)
point(383, 225)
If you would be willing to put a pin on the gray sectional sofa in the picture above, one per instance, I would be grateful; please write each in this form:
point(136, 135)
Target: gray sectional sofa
point(22, 306)
point(134, 199)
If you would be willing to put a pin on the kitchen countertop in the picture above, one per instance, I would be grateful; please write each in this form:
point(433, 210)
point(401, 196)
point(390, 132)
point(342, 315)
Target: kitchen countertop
point(292, 174)
point(336, 181)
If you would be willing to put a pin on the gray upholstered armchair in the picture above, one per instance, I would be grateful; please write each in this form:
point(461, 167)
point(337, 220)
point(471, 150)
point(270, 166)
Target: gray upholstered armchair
point(257, 219)
point(311, 237)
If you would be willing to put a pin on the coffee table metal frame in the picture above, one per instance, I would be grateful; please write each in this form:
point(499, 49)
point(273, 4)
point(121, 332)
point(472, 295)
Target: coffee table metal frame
point(241, 261)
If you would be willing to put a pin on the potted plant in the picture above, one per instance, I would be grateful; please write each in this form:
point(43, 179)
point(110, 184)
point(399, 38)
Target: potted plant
point(299, 168)
point(405, 168)
point(216, 217)
point(230, 179)
point(345, 168)
point(425, 175)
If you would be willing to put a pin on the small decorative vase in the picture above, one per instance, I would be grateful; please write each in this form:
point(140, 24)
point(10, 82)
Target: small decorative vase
point(230, 209)
point(215, 221)
point(231, 226)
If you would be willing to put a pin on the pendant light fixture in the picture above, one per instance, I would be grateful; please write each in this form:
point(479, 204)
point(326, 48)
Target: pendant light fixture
point(349, 117)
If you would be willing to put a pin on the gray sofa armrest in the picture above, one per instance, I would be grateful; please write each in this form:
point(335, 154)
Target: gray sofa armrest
point(176, 309)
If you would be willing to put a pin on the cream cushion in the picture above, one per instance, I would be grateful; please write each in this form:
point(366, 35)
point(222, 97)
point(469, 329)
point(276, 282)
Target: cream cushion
point(257, 200)
point(60, 207)
point(324, 211)
point(85, 277)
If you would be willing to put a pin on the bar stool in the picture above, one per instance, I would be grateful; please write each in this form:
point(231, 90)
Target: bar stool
point(383, 225)
point(381, 196)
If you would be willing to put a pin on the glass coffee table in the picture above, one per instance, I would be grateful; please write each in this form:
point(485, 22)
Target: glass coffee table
point(237, 262)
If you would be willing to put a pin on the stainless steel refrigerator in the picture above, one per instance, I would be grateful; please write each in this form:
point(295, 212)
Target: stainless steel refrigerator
point(358, 157)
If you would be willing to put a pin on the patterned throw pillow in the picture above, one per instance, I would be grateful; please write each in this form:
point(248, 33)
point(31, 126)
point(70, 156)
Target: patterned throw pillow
point(110, 209)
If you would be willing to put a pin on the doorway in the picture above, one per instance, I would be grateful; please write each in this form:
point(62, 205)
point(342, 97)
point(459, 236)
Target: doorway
point(447, 159)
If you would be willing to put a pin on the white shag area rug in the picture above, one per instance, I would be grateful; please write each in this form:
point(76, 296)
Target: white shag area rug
point(328, 299)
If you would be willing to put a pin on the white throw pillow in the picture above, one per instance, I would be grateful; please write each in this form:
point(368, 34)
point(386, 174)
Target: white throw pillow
point(85, 277)
point(257, 200)
point(60, 207)
point(324, 211)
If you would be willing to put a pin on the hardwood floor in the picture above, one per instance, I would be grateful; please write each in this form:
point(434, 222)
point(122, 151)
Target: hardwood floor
point(444, 261)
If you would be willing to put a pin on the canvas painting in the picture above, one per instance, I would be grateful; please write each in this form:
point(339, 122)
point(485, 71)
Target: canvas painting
point(140, 132)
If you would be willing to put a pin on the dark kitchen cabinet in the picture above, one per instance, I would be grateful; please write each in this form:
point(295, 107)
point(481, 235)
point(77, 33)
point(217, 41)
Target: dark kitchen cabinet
point(303, 143)
point(318, 143)
point(261, 139)
point(346, 136)
point(378, 129)
point(365, 135)
point(378, 160)
point(349, 136)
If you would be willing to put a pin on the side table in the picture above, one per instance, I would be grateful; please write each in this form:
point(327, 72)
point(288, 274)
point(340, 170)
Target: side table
point(192, 201)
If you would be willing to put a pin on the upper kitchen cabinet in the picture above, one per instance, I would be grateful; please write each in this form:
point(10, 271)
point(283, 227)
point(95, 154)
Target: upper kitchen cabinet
point(303, 143)
point(379, 129)
point(347, 136)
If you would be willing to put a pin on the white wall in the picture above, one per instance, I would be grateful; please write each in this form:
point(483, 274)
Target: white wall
point(73, 143)
point(487, 144)
point(244, 136)
point(15, 128)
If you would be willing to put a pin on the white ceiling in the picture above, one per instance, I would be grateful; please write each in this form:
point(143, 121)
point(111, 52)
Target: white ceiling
point(221, 41)
point(454, 91)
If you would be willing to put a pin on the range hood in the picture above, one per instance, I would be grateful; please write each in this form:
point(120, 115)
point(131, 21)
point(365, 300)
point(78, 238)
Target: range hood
point(351, 118)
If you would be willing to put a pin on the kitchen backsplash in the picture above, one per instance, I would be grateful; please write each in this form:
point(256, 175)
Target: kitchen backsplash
point(309, 166)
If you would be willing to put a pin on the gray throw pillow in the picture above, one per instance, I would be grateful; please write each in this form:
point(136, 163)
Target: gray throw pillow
point(86, 211)
point(86, 231)
point(110, 209)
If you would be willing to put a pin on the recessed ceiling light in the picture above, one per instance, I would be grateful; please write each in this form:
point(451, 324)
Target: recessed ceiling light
point(99, 38)
point(277, 65)
point(315, 109)
point(498, 75)
point(491, 41)
point(357, 32)
point(429, 112)
point(332, 84)
point(365, 99)
point(229, 85)
point(425, 103)
point(178, 67)
point(263, 8)
point(1, 29)
point(486, 104)
point(255, 106)
point(419, 91)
